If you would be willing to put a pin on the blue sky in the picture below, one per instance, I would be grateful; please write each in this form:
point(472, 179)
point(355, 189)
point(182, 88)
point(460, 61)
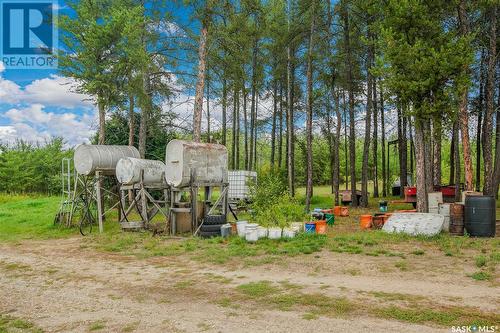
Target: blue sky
point(39, 104)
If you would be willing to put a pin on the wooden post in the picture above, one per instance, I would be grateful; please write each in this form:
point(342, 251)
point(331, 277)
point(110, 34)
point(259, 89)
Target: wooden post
point(99, 200)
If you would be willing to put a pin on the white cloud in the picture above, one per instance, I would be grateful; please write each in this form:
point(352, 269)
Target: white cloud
point(55, 91)
point(34, 124)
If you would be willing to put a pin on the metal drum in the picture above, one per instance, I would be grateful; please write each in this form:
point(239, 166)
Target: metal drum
point(456, 219)
point(90, 158)
point(189, 162)
point(128, 171)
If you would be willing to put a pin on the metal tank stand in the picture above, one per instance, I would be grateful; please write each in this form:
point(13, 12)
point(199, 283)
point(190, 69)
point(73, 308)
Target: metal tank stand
point(146, 206)
point(88, 200)
point(176, 206)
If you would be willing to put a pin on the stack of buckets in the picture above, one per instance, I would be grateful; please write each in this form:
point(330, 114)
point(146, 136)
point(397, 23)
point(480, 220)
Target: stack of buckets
point(323, 217)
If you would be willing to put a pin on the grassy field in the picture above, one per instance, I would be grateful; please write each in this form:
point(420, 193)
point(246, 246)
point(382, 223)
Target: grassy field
point(344, 251)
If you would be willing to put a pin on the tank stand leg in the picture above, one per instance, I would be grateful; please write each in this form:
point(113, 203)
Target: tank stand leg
point(99, 200)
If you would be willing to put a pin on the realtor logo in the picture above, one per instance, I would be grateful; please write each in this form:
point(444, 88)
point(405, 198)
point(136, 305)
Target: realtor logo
point(28, 34)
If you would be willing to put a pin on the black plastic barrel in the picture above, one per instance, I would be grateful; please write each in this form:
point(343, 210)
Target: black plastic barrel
point(480, 216)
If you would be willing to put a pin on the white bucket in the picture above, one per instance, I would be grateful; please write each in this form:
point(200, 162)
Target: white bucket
point(251, 232)
point(274, 233)
point(262, 232)
point(289, 233)
point(240, 227)
point(297, 226)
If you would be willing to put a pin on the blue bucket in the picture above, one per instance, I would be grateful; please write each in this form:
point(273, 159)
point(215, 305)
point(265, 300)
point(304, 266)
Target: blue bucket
point(310, 227)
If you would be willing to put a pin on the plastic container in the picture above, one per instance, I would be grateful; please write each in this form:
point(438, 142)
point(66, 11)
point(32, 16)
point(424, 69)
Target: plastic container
point(251, 232)
point(288, 233)
point(330, 219)
point(382, 206)
point(480, 216)
point(297, 226)
point(378, 221)
point(240, 227)
point(225, 230)
point(365, 222)
point(274, 233)
point(310, 227)
point(321, 227)
point(344, 211)
point(336, 210)
point(262, 232)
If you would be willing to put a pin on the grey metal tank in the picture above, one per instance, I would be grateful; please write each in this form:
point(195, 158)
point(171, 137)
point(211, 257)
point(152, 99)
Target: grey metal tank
point(200, 162)
point(89, 158)
point(128, 171)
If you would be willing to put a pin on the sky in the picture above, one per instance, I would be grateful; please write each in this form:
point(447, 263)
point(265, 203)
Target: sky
point(39, 104)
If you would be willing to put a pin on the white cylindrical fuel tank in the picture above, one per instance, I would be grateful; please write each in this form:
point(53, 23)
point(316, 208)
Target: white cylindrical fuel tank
point(128, 171)
point(89, 158)
point(205, 162)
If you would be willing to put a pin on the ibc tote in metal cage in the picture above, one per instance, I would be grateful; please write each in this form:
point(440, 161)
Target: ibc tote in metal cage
point(239, 181)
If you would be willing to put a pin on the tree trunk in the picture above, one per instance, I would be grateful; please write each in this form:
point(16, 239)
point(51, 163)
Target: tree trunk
point(200, 84)
point(237, 130)
point(233, 143)
point(480, 121)
point(463, 104)
point(280, 129)
point(224, 111)
point(457, 163)
point(490, 107)
point(368, 121)
point(102, 121)
point(208, 106)
point(309, 113)
point(346, 153)
point(290, 123)
point(255, 131)
point(496, 173)
point(375, 140)
point(428, 157)
point(452, 153)
point(245, 125)
point(336, 143)
point(402, 149)
point(437, 134)
point(253, 107)
point(352, 133)
point(273, 126)
point(145, 112)
point(131, 120)
point(382, 128)
point(420, 160)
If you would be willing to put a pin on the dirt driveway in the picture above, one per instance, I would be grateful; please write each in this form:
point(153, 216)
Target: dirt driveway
point(62, 287)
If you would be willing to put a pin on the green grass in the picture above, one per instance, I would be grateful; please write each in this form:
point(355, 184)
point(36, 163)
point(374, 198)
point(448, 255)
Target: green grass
point(451, 316)
point(24, 217)
point(10, 324)
point(481, 276)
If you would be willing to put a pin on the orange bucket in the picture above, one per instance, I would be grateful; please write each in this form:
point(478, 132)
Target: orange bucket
point(327, 211)
point(344, 211)
point(321, 227)
point(336, 210)
point(365, 221)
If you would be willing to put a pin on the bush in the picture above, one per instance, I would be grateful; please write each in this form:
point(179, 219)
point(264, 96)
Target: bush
point(281, 212)
point(270, 186)
point(32, 168)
